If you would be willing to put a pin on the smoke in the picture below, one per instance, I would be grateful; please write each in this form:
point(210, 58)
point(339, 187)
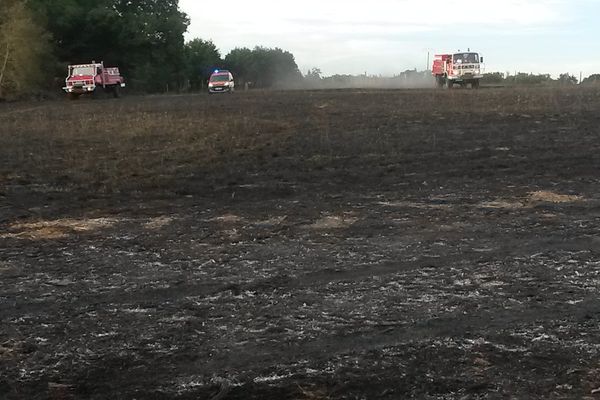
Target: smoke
point(411, 79)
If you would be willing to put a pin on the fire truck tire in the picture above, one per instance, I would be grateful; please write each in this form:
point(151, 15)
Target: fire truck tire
point(98, 94)
point(475, 85)
point(439, 81)
point(116, 91)
point(449, 84)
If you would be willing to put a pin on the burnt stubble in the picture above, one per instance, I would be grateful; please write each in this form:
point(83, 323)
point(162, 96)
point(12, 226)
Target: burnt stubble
point(302, 245)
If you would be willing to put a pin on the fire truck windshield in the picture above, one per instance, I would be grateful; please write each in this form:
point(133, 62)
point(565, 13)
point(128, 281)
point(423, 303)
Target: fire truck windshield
point(77, 71)
point(464, 58)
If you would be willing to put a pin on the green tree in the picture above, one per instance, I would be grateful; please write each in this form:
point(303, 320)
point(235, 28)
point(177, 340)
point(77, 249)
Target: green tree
point(493, 77)
point(241, 62)
point(143, 37)
point(591, 80)
point(264, 67)
point(279, 68)
point(24, 50)
point(529, 79)
point(82, 30)
point(314, 74)
point(567, 79)
point(153, 44)
point(201, 57)
point(313, 78)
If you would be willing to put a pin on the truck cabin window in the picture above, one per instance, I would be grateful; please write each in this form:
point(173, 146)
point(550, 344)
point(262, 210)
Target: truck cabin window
point(78, 71)
point(463, 58)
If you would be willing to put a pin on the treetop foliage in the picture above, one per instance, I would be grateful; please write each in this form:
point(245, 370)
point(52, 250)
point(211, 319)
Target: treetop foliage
point(522, 78)
point(23, 47)
point(264, 67)
point(144, 38)
point(592, 80)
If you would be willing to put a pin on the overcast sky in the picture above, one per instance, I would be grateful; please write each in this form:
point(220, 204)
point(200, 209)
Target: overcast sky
point(389, 36)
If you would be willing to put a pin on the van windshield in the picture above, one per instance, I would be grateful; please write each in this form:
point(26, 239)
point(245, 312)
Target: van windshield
point(219, 78)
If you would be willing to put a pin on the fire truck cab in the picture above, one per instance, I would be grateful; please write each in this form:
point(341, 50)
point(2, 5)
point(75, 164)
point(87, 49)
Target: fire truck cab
point(462, 68)
point(87, 79)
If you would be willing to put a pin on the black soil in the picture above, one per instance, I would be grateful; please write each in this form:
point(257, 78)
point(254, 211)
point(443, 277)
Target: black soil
point(302, 245)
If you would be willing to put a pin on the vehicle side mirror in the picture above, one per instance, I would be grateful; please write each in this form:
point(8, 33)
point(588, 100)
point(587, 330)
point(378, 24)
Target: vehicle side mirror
point(481, 60)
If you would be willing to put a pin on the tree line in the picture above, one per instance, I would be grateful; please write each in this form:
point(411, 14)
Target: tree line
point(411, 78)
point(144, 38)
point(259, 67)
point(522, 78)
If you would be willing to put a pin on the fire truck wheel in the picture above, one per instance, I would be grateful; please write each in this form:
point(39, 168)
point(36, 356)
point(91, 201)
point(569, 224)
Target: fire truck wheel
point(475, 85)
point(116, 92)
point(449, 84)
point(439, 81)
point(98, 94)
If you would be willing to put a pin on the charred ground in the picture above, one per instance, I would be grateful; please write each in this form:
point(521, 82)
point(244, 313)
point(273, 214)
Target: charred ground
point(302, 245)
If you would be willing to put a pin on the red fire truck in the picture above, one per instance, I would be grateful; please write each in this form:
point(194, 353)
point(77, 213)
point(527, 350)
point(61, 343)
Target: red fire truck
point(462, 68)
point(92, 78)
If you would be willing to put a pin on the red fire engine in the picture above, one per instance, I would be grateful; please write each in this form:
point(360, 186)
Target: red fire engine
point(91, 78)
point(459, 68)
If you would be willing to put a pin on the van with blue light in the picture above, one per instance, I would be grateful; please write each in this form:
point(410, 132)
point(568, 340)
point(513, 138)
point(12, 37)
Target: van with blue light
point(221, 81)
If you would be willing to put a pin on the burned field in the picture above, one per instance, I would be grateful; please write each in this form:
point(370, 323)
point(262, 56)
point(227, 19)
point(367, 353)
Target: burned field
point(302, 245)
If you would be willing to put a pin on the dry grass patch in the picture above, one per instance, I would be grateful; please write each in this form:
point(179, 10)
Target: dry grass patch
point(532, 198)
point(228, 219)
point(502, 204)
point(334, 222)
point(158, 223)
point(551, 197)
point(57, 229)
point(412, 204)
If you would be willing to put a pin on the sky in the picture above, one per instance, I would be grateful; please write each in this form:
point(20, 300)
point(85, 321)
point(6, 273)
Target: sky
point(386, 37)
